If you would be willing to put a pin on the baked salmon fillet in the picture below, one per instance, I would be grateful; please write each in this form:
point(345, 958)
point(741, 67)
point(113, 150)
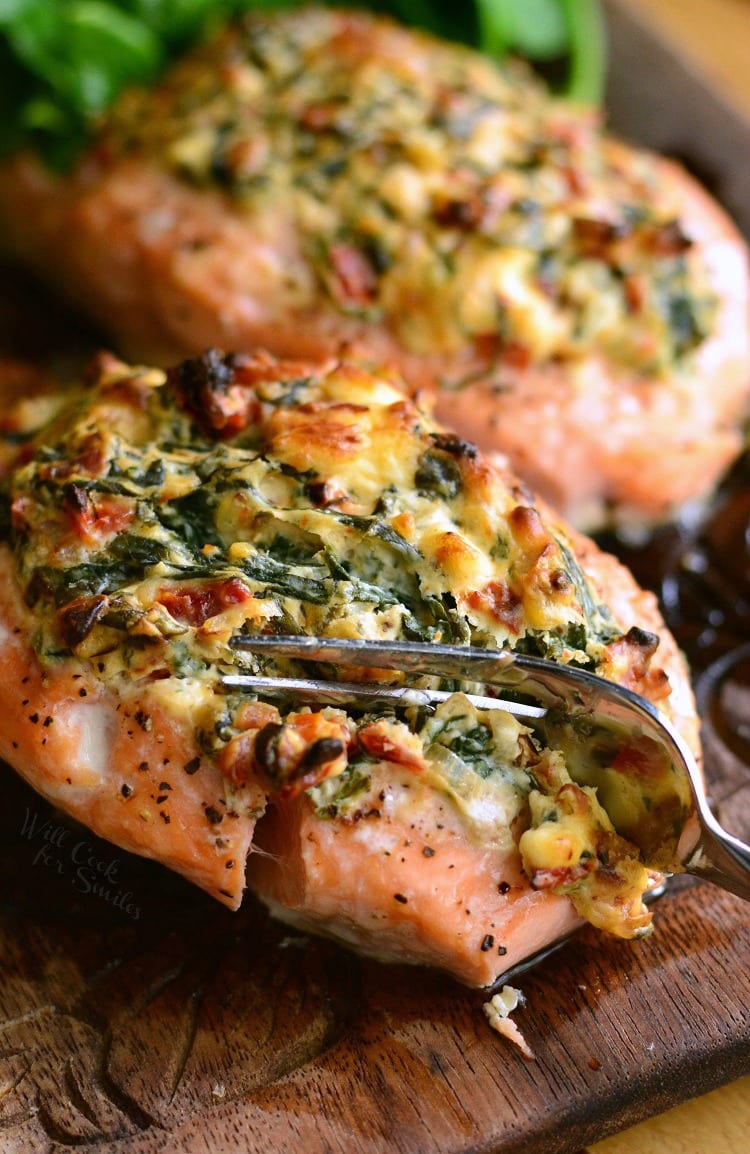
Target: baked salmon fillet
point(316, 178)
point(157, 515)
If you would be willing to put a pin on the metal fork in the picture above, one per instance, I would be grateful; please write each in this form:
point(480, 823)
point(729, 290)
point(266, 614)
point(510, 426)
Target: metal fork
point(537, 691)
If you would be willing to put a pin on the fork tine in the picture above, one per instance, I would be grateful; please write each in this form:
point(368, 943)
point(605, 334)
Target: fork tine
point(537, 680)
point(353, 693)
point(463, 662)
point(406, 656)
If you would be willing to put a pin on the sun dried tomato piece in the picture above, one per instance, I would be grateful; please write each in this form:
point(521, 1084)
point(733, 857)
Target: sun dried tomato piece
point(207, 387)
point(194, 604)
point(355, 279)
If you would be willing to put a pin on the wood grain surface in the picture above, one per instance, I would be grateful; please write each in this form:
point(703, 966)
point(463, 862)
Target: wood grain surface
point(719, 1120)
point(135, 1015)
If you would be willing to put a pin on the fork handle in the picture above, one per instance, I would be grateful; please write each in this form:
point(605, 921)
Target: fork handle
point(722, 859)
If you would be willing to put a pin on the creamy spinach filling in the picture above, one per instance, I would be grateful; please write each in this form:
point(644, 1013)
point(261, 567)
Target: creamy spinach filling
point(432, 191)
point(198, 515)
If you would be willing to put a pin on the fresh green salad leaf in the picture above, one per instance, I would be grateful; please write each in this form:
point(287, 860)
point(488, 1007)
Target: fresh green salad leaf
point(536, 28)
point(63, 62)
point(586, 50)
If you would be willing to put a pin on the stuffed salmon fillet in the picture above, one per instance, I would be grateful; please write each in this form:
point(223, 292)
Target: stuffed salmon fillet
point(158, 515)
point(315, 177)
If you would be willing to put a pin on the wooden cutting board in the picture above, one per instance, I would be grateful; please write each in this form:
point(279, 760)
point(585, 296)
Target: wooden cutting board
point(137, 1016)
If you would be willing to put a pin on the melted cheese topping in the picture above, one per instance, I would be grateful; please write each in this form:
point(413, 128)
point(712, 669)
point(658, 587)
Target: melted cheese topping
point(161, 514)
point(430, 190)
